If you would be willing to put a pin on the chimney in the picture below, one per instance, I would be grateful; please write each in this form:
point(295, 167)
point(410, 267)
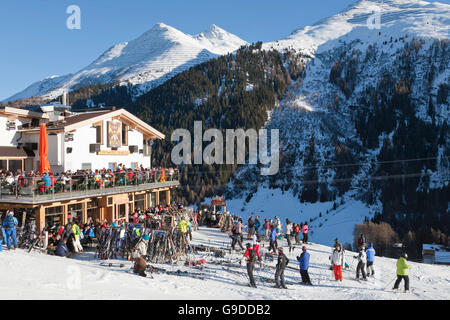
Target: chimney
point(64, 98)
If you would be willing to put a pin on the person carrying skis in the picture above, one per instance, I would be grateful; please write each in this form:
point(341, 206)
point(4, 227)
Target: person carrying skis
point(10, 224)
point(273, 239)
point(250, 256)
point(305, 230)
point(283, 261)
point(304, 265)
point(288, 233)
point(370, 252)
point(362, 259)
point(338, 260)
point(402, 272)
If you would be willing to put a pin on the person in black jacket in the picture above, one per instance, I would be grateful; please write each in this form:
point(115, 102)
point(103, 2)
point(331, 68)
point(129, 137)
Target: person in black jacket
point(281, 265)
point(250, 225)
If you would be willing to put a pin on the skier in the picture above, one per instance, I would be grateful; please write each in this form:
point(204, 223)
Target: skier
point(288, 234)
point(305, 230)
point(402, 272)
point(10, 224)
point(266, 227)
point(362, 259)
point(236, 237)
point(336, 243)
point(250, 256)
point(257, 225)
point(283, 261)
point(304, 265)
point(251, 225)
point(338, 260)
point(273, 239)
point(278, 227)
point(370, 252)
point(297, 233)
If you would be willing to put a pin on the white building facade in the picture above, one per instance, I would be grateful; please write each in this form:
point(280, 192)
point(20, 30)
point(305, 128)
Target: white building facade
point(82, 140)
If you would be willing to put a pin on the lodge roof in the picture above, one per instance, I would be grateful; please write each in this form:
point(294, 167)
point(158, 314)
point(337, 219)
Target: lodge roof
point(15, 152)
point(81, 119)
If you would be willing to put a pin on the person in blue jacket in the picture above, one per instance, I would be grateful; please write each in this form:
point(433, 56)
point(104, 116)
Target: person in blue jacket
point(304, 265)
point(370, 252)
point(2, 237)
point(273, 239)
point(257, 225)
point(61, 249)
point(10, 224)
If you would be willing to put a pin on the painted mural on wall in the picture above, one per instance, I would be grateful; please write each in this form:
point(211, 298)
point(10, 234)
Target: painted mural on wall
point(114, 134)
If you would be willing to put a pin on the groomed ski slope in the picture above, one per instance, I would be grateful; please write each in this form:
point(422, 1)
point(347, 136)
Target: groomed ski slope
point(38, 276)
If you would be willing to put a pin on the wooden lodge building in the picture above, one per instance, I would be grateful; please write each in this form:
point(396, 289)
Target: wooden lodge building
point(88, 140)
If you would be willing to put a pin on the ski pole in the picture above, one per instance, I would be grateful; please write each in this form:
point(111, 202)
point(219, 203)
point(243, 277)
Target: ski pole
point(390, 282)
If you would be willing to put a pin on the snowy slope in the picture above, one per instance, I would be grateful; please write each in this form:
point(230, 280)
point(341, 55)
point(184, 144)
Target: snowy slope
point(154, 57)
point(316, 109)
point(32, 276)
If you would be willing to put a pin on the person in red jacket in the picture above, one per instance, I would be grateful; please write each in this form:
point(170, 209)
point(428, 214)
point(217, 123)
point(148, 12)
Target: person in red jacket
point(251, 254)
point(297, 233)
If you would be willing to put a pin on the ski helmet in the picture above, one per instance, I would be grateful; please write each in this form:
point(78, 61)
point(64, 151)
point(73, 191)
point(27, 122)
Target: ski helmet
point(280, 249)
point(405, 255)
point(248, 245)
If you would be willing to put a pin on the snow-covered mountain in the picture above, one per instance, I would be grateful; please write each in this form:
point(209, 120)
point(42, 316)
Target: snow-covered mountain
point(333, 119)
point(155, 56)
point(358, 21)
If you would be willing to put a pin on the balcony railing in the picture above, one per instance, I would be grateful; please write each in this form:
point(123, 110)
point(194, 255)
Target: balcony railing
point(78, 185)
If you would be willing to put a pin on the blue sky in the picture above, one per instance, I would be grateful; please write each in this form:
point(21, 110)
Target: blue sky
point(35, 43)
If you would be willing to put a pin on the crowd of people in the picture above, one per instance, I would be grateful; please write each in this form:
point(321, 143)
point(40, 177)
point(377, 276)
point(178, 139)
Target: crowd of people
point(12, 182)
point(271, 230)
point(70, 239)
point(73, 237)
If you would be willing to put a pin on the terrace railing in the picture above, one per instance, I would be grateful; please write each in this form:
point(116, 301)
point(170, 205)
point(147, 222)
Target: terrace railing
point(74, 185)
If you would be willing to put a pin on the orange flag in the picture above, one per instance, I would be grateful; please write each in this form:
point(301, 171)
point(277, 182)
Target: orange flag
point(44, 165)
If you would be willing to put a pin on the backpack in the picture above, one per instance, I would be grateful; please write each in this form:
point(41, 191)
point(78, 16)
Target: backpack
point(10, 222)
point(252, 255)
point(234, 229)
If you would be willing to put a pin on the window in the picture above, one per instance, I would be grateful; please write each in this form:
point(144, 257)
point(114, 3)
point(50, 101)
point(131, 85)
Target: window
point(86, 166)
point(98, 135)
point(13, 165)
point(124, 134)
point(112, 166)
